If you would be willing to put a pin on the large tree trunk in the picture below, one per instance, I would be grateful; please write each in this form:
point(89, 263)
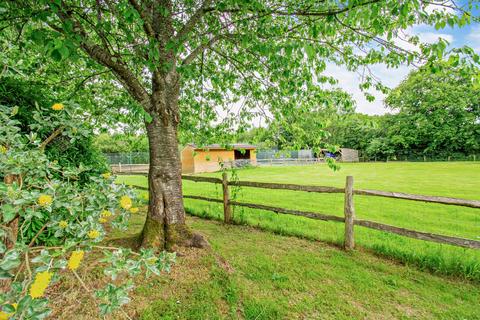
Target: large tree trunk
point(165, 226)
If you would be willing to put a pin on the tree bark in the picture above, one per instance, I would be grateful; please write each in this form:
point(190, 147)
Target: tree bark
point(165, 226)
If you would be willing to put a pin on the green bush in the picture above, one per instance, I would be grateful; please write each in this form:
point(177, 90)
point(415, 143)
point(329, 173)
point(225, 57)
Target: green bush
point(31, 99)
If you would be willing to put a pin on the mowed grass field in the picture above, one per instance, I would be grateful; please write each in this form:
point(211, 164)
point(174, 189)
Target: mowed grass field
point(461, 179)
point(258, 275)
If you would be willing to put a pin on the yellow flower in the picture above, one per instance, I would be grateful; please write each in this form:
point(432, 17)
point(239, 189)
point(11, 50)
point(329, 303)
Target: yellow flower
point(93, 234)
point(125, 202)
point(106, 175)
point(102, 220)
point(42, 279)
point(63, 224)
point(134, 210)
point(45, 200)
point(3, 149)
point(58, 106)
point(5, 316)
point(106, 214)
point(152, 260)
point(75, 259)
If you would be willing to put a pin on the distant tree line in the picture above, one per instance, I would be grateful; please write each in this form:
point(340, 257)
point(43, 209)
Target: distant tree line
point(121, 142)
point(435, 113)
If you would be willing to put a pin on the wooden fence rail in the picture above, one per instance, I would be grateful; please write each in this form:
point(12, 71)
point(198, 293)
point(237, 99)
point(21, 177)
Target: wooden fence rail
point(323, 189)
point(349, 209)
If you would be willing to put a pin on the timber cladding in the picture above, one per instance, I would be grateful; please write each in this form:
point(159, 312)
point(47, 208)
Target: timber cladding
point(210, 158)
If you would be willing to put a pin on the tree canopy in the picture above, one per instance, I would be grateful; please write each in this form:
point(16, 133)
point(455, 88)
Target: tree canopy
point(197, 65)
point(438, 113)
point(237, 60)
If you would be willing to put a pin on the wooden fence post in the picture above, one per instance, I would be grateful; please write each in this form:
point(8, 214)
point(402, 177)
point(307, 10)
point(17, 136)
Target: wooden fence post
point(227, 211)
point(349, 212)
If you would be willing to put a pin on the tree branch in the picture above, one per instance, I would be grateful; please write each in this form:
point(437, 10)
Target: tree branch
point(147, 26)
point(199, 50)
point(51, 137)
point(190, 24)
point(104, 57)
point(297, 12)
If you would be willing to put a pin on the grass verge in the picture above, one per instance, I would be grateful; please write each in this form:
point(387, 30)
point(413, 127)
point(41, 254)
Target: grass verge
point(250, 274)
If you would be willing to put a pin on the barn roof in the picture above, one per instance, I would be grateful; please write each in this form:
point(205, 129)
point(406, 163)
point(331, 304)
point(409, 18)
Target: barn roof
point(217, 146)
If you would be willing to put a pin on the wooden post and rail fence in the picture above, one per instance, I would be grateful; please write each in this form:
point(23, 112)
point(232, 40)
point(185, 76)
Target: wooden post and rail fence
point(348, 219)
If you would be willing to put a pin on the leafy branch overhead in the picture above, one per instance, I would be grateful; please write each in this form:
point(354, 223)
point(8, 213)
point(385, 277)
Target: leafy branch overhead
point(272, 54)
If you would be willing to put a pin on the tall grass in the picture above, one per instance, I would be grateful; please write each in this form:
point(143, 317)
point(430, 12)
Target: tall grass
point(436, 258)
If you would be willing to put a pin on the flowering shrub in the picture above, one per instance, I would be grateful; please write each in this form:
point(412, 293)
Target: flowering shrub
point(73, 215)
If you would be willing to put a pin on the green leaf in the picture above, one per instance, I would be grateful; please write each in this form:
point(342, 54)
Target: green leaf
point(8, 212)
point(38, 36)
point(56, 55)
point(64, 52)
point(310, 50)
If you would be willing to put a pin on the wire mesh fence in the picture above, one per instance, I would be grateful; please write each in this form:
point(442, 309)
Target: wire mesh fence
point(127, 158)
point(420, 158)
point(296, 157)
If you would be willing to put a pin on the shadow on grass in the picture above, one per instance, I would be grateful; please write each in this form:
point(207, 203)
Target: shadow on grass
point(445, 260)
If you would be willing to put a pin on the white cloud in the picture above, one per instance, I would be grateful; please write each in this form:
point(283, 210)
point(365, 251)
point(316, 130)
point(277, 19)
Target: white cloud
point(423, 36)
point(349, 82)
point(473, 38)
point(432, 37)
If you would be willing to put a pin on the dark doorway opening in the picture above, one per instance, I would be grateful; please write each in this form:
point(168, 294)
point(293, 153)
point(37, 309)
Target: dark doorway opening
point(242, 156)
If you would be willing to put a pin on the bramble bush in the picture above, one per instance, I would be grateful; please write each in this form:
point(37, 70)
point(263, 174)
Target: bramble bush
point(71, 218)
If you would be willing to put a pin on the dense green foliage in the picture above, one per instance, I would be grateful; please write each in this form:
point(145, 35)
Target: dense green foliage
point(234, 60)
point(33, 103)
point(121, 143)
point(50, 218)
point(436, 114)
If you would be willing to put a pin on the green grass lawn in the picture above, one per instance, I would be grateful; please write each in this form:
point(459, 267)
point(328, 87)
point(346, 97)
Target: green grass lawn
point(443, 179)
point(255, 275)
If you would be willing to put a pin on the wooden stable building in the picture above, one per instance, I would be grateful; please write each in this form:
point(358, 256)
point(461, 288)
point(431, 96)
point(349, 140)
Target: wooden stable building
point(209, 158)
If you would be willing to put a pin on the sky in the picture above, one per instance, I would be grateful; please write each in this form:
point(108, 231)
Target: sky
point(348, 81)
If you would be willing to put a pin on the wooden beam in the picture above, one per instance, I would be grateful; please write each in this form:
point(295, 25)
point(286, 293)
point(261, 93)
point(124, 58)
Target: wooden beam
point(227, 210)
point(202, 179)
point(138, 187)
point(349, 211)
point(324, 189)
point(282, 186)
point(461, 242)
point(203, 198)
point(311, 215)
point(416, 197)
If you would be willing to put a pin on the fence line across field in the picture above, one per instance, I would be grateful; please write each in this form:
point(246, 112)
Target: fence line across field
point(300, 157)
point(349, 210)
